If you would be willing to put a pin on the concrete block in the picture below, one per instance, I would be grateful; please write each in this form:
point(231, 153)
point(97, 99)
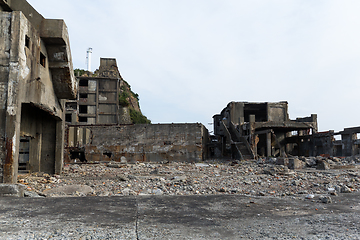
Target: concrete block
point(282, 161)
point(322, 165)
point(12, 190)
point(295, 163)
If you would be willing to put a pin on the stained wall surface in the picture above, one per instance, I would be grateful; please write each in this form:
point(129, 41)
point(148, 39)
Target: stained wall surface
point(139, 143)
point(35, 76)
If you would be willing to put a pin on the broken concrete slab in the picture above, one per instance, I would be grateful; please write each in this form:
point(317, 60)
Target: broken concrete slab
point(12, 190)
point(295, 163)
point(322, 165)
point(75, 190)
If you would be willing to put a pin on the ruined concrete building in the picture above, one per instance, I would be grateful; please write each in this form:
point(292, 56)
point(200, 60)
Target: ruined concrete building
point(246, 130)
point(98, 98)
point(100, 129)
point(138, 143)
point(36, 75)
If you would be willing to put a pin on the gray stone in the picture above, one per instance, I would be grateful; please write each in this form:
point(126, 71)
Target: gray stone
point(123, 178)
point(70, 190)
point(157, 192)
point(12, 190)
point(295, 163)
point(310, 196)
point(32, 194)
point(115, 165)
point(345, 189)
point(310, 162)
point(325, 199)
point(282, 161)
point(322, 165)
point(179, 178)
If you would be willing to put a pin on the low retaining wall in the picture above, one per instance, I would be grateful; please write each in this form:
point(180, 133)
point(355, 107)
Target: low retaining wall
point(137, 143)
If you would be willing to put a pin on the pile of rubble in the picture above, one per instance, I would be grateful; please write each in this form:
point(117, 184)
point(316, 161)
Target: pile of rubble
point(306, 178)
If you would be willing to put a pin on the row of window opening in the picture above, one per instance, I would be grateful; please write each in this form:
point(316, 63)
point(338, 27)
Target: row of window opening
point(42, 56)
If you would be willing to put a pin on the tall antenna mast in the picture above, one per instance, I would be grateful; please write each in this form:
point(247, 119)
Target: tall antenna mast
point(88, 59)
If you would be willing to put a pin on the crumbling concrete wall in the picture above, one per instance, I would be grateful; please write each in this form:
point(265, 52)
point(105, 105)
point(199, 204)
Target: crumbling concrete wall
point(247, 130)
point(139, 143)
point(35, 75)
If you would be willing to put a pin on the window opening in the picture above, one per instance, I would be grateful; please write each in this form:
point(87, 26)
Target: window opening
point(24, 153)
point(68, 117)
point(107, 154)
point(71, 106)
point(83, 119)
point(83, 83)
point(83, 95)
point(337, 137)
point(83, 109)
point(42, 59)
point(78, 155)
point(27, 41)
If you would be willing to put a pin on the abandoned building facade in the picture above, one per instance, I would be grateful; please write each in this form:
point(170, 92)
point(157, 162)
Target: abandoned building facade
point(98, 98)
point(99, 129)
point(39, 93)
point(36, 75)
point(132, 143)
point(246, 130)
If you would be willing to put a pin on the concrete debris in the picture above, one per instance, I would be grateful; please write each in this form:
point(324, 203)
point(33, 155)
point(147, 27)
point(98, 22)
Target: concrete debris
point(253, 177)
point(12, 190)
point(75, 190)
point(322, 165)
point(310, 196)
point(33, 194)
point(325, 199)
point(345, 189)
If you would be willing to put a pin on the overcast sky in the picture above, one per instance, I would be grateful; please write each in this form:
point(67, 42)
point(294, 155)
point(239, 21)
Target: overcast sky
point(187, 59)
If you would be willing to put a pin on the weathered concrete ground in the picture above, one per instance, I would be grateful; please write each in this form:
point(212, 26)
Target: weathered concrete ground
point(257, 199)
point(179, 217)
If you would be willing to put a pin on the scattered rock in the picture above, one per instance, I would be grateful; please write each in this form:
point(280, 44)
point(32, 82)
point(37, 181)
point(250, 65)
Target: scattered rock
point(345, 189)
point(325, 199)
point(310, 162)
point(115, 165)
point(322, 165)
point(295, 163)
point(178, 178)
point(251, 177)
point(74, 190)
point(310, 196)
point(32, 194)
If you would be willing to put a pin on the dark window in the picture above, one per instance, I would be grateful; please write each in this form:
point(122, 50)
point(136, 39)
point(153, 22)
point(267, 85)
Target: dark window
point(83, 119)
point(27, 41)
point(83, 83)
point(83, 95)
point(83, 109)
point(42, 59)
point(68, 117)
point(108, 154)
point(78, 155)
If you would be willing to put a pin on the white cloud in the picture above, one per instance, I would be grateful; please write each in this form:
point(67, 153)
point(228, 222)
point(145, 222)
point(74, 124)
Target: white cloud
point(188, 59)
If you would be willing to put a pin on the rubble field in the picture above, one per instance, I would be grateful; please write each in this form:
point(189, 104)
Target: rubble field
point(311, 178)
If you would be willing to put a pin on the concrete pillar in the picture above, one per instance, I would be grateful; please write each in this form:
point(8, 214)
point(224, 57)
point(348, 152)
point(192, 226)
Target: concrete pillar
point(268, 144)
point(347, 143)
point(12, 140)
point(59, 153)
point(252, 131)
